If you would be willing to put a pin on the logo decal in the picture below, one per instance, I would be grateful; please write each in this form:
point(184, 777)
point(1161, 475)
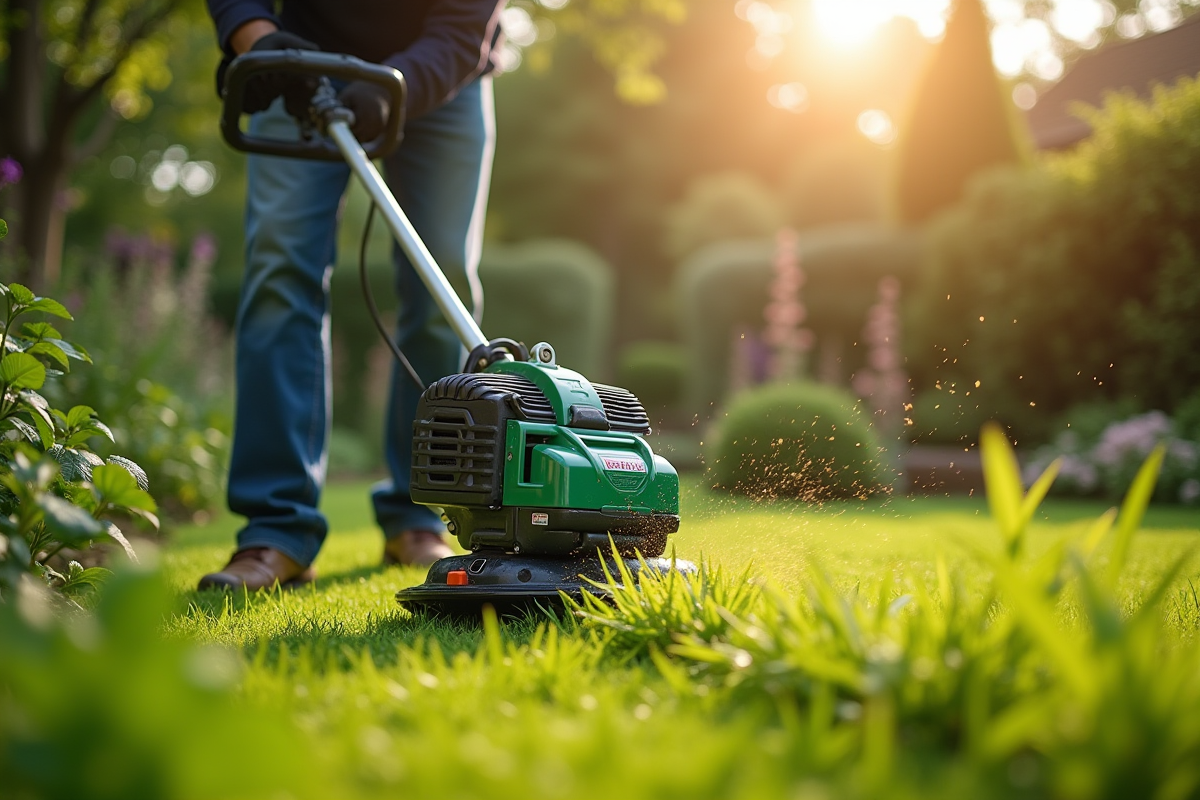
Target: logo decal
point(540, 518)
point(623, 464)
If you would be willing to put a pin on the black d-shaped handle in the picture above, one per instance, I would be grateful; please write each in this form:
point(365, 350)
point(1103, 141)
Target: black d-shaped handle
point(312, 144)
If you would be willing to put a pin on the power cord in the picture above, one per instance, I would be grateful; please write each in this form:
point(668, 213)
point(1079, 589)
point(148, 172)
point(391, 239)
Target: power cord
point(366, 288)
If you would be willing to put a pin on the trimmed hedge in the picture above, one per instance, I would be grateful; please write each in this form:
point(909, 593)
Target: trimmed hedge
point(801, 440)
point(1075, 283)
point(725, 287)
point(554, 290)
point(655, 372)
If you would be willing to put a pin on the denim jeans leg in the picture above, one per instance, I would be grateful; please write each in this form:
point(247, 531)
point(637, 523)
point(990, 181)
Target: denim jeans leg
point(283, 347)
point(440, 176)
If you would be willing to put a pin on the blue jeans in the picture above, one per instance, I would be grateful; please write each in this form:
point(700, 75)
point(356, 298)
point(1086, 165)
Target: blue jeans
point(440, 177)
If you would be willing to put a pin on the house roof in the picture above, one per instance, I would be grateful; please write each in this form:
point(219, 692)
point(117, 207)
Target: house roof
point(1137, 65)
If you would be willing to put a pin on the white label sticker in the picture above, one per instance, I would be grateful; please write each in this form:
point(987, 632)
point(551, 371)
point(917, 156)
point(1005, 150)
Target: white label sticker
point(540, 518)
point(620, 462)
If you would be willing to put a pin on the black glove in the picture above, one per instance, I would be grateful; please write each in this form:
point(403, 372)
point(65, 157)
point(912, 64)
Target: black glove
point(372, 106)
point(263, 88)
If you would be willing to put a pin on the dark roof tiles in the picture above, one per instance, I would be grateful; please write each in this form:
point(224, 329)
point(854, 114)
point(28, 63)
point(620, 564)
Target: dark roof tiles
point(1136, 65)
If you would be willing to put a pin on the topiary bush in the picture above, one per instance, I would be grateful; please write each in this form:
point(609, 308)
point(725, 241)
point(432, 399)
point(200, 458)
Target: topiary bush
point(725, 205)
point(960, 121)
point(801, 440)
point(655, 372)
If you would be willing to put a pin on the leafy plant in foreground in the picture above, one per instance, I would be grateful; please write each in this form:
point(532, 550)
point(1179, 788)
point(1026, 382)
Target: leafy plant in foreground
point(55, 492)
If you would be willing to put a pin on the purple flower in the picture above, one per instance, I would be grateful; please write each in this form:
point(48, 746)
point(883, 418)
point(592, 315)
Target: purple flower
point(10, 171)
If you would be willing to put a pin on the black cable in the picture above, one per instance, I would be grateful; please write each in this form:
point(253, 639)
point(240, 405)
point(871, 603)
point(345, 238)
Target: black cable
point(366, 287)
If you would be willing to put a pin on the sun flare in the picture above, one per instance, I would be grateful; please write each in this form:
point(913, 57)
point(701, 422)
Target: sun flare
point(853, 22)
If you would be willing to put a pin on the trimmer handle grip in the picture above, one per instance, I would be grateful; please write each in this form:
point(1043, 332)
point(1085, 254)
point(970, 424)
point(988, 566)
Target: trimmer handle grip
point(312, 144)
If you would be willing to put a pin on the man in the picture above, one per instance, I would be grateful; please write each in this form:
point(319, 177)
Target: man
point(444, 49)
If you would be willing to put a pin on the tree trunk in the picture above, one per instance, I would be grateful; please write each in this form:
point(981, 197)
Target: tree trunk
point(38, 217)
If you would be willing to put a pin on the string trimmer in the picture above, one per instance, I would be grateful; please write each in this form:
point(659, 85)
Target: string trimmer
point(544, 476)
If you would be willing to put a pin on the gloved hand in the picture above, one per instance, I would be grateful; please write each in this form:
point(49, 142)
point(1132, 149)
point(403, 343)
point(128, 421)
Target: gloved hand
point(263, 88)
point(371, 105)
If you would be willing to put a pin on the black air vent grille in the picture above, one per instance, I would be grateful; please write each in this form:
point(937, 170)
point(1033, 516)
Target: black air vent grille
point(530, 402)
point(624, 411)
point(451, 452)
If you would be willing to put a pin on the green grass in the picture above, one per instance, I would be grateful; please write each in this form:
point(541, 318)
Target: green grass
point(886, 649)
point(396, 704)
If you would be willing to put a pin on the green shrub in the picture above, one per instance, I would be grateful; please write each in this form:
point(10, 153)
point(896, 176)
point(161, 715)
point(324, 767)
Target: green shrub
point(1187, 417)
point(556, 291)
point(655, 372)
point(55, 492)
point(162, 378)
point(799, 440)
point(724, 288)
point(1077, 282)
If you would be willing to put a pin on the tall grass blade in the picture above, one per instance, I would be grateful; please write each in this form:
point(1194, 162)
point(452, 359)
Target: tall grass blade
point(1133, 509)
point(1002, 479)
point(1037, 492)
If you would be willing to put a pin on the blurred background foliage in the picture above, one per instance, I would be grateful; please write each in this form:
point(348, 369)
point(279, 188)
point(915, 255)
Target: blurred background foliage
point(655, 164)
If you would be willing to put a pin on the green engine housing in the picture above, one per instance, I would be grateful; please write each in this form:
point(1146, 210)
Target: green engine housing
point(532, 458)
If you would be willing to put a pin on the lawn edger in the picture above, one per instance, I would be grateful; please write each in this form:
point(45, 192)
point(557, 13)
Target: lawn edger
point(545, 477)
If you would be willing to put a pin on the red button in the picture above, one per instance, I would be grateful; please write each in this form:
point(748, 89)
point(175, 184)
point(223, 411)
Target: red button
point(456, 577)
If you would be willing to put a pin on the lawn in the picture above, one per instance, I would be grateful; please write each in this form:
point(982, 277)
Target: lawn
point(882, 648)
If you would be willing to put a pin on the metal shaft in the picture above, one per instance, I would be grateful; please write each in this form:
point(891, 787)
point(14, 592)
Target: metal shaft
point(422, 260)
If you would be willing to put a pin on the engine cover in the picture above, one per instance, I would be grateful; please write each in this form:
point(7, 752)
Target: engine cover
point(533, 458)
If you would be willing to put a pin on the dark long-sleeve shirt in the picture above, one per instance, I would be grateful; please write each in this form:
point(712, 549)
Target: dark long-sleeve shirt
point(438, 45)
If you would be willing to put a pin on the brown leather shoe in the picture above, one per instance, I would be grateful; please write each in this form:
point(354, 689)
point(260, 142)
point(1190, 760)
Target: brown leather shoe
point(415, 549)
point(258, 568)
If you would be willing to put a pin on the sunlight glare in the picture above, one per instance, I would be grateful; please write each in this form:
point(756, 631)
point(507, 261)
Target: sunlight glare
point(1160, 15)
point(1024, 96)
point(877, 126)
point(1130, 26)
point(1080, 20)
point(850, 22)
point(791, 97)
point(1014, 45)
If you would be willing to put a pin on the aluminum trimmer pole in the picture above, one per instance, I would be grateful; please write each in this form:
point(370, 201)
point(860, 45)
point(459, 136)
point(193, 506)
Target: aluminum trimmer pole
point(422, 260)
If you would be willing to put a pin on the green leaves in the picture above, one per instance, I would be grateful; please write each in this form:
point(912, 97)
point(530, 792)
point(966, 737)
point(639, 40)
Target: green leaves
point(21, 300)
point(115, 488)
point(64, 495)
point(20, 295)
point(21, 371)
point(68, 522)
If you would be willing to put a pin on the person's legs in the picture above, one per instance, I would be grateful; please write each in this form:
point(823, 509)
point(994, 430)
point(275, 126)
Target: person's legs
point(283, 385)
point(440, 176)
